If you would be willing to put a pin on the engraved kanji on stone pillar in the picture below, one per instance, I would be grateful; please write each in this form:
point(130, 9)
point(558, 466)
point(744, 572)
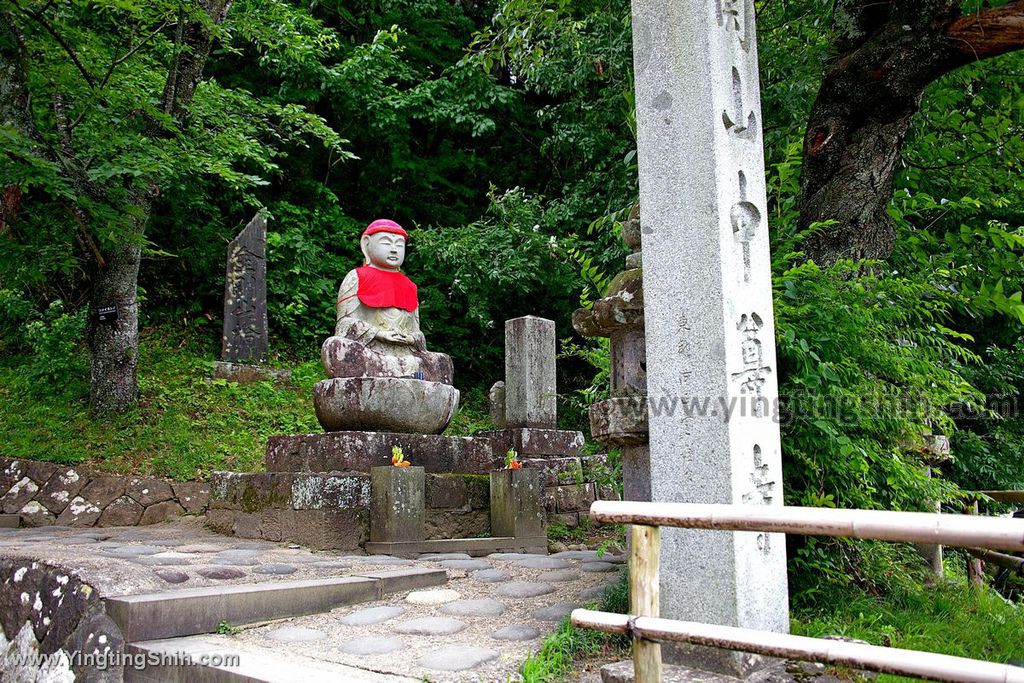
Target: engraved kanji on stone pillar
point(245, 295)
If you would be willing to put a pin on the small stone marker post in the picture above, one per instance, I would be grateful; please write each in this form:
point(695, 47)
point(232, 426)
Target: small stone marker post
point(530, 399)
point(397, 504)
point(516, 508)
point(245, 295)
point(710, 334)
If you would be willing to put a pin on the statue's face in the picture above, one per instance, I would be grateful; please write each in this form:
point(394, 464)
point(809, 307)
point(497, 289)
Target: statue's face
point(384, 250)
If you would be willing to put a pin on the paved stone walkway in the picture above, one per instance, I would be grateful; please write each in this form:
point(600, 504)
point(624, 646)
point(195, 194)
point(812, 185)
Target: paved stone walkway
point(472, 629)
point(493, 612)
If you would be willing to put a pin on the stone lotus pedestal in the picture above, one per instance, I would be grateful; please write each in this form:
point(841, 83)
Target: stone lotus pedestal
point(384, 404)
point(397, 503)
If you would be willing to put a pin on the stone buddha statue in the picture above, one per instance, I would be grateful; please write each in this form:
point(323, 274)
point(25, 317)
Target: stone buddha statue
point(377, 359)
point(378, 317)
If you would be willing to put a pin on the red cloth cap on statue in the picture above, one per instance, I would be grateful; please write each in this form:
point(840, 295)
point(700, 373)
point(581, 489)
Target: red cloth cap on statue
point(386, 288)
point(384, 225)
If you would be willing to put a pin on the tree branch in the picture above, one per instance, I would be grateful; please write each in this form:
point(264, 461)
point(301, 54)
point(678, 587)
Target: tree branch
point(38, 18)
point(990, 33)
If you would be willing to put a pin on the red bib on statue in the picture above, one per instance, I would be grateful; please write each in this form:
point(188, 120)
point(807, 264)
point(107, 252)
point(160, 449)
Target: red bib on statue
point(386, 288)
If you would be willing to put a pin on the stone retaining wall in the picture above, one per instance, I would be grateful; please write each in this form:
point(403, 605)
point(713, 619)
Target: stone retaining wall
point(44, 493)
point(46, 610)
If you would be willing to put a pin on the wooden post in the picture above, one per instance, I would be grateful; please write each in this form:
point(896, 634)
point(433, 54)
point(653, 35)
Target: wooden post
point(975, 568)
point(644, 598)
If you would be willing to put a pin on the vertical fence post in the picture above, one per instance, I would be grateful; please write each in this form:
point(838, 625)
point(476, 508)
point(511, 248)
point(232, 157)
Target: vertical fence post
point(975, 569)
point(644, 597)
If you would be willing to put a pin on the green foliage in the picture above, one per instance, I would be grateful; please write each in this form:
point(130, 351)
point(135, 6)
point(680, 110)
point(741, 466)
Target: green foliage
point(562, 649)
point(53, 341)
point(186, 425)
point(946, 618)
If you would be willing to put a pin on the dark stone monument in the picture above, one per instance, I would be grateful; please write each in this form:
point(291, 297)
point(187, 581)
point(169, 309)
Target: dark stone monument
point(245, 295)
point(244, 342)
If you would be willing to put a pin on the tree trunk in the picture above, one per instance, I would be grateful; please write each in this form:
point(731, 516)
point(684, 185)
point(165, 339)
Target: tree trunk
point(15, 105)
point(887, 54)
point(114, 346)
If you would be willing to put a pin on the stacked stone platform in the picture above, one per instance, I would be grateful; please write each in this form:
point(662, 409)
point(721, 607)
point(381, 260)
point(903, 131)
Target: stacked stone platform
point(316, 490)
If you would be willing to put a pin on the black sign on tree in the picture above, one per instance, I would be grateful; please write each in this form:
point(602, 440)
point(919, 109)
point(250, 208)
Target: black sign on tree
point(245, 295)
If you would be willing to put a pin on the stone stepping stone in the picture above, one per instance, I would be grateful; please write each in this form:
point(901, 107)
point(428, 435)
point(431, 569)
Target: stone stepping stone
point(171, 575)
point(457, 658)
point(524, 589)
point(438, 557)
point(594, 592)
point(467, 565)
point(296, 634)
point(587, 555)
point(555, 612)
point(200, 548)
point(238, 558)
point(163, 561)
point(491, 575)
point(511, 556)
point(253, 545)
point(430, 626)
point(385, 560)
point(275, 568)
point(334, 564)
point(107, 545)
point(541, 562)
point(560, 576)
point(167, 542)
point(483, 607)
point(371, 615)
point(516, 632)
point(220, 573)
point(134, 550)
point(432, 597)
point(599, 567)
point(79, 540)
point(371, 645)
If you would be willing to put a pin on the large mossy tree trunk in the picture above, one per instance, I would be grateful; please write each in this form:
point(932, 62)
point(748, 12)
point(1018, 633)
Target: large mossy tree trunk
point(887, 52)
point(114, 347)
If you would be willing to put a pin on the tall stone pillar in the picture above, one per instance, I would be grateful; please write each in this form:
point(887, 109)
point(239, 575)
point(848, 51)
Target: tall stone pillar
point(710, 334)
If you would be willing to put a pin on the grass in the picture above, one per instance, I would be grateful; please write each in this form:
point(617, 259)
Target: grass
point(566, 649)
point(947, 618)
point(186, 424)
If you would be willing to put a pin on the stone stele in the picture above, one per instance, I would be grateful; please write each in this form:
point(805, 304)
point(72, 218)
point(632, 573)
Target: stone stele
point(710, 333)
point(245, 295)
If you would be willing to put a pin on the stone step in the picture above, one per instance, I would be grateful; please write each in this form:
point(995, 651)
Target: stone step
point(172, 614)
point(10, 521)
point(211, 662)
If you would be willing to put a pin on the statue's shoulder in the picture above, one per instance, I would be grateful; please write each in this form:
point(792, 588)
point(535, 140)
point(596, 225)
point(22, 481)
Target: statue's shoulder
point(351, 279)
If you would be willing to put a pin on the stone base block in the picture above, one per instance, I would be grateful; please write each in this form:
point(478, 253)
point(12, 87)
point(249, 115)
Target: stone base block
point(397, 503)
point(250, 374)
point(619, 422)
point(569, 498)
point(359, 451)
point(533, 442)
point(10, 521)
point(319, 529)
point(385, 404)
point(258, 491)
